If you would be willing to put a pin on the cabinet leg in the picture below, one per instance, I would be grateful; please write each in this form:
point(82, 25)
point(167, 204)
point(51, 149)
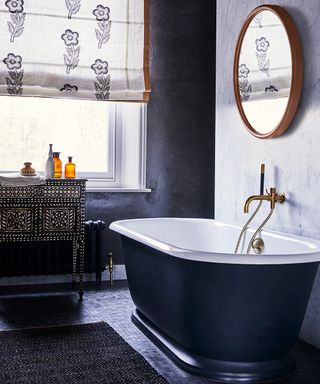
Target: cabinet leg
point(74, 262)
point(81, 292)
point(81, 261)
point(98, 279)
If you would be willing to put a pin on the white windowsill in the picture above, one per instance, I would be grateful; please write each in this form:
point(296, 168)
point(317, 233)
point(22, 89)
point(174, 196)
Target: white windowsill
point(144, 190)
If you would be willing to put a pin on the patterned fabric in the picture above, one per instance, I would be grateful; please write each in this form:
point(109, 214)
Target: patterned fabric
point(83, 49)
point(265, 61)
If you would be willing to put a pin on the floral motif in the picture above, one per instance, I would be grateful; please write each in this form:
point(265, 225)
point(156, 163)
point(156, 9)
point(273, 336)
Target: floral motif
point(59, 219)
point(258, 19)
point(16, 25)
point(271, 89)
point(101, 13)
point(262, 44)
point(15, 78)
point(244, 87)
point(102, 85)
point(13, 61)
point(15, 6)
point(245, 90)
point(69, 88)
point(100, 67)
point(243, 71)
point(104, 26)
point(71, 58)
point(18, 220)
point(70, 38)
point(73, 7)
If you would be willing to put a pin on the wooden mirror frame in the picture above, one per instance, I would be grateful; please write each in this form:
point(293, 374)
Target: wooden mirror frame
point(297, 70)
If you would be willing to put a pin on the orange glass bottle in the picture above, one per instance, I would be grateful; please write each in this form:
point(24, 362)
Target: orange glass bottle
point(70, 169)
point(57, 165)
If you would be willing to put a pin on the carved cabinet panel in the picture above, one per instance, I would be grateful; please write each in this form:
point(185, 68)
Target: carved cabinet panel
point(58, 219)
point(16, 220)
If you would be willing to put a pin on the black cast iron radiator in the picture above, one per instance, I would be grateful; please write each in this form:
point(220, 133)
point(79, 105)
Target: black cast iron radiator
point(53, 257)
point(95, 260)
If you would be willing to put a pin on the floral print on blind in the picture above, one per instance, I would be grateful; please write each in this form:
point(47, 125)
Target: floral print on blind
point(72, 48)
point(69, 88)
point(102, 85)
point(15, 74)
point(71, 41)
point(104, 24)
point(17, 16)
point(73, 7)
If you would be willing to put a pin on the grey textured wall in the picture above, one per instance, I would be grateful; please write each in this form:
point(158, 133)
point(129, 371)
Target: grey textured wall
point(180, 148)
point(292, 161)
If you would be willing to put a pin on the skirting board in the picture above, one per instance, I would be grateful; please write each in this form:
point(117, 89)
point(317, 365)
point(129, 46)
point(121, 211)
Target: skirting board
point(119, 273)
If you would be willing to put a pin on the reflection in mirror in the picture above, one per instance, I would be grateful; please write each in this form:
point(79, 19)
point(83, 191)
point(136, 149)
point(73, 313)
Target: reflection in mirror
point(268, 71)
point(265, 71)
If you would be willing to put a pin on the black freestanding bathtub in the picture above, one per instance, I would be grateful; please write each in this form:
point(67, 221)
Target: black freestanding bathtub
point(219, 315)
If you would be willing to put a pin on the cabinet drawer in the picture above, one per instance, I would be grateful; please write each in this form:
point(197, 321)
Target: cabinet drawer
point(17, 220)
point(41, 191)
point(65, 192)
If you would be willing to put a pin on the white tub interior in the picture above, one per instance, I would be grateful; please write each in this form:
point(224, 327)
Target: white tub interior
point(211, 240)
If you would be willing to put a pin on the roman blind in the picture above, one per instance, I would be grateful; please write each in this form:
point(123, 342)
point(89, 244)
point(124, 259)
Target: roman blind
point(80, 49)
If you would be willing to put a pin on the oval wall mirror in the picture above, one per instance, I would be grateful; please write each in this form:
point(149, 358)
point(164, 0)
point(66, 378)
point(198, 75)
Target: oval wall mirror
point(267, 71)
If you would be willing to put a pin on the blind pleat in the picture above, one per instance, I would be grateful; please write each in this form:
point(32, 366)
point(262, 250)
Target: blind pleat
point(75, 49)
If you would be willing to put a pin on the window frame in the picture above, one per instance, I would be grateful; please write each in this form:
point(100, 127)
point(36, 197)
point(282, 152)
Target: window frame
point(119, 131)
point(110, 175)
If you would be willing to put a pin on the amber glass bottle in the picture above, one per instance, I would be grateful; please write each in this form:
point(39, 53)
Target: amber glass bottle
point(70, 169)
point(57, 165)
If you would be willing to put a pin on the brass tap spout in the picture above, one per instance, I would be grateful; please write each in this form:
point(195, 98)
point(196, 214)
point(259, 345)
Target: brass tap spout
point(271, 196)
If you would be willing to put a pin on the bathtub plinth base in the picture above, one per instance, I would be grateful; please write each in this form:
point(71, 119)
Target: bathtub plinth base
point(222, 371)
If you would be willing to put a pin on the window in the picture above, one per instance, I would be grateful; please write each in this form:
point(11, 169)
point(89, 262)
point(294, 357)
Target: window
point(107, 140)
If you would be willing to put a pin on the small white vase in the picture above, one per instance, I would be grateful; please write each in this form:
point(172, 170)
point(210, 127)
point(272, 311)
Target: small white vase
point(49, 168)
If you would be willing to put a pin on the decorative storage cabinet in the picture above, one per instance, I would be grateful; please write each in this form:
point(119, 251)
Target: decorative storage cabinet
point(54, 211)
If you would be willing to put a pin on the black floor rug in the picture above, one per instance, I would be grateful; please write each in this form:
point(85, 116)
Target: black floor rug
point(82, 354)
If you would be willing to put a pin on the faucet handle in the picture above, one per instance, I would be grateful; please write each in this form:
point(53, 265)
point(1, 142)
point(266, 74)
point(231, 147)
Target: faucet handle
point(281, 198)
point(273, 191)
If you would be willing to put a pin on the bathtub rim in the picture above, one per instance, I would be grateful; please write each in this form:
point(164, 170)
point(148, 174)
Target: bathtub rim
point(119, 226)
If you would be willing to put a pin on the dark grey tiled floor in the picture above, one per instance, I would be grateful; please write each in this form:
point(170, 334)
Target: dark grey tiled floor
point(54, 305)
